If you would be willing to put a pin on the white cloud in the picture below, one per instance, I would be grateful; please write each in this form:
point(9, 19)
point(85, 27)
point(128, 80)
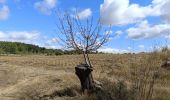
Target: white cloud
point(52, 43)
point(144, 30)
point(165, 11)
point(54, 40)
point(141, 46)
point(112, 50)
point(167, 36)
point(29, 37)
point(120, 12)
point(20, 36)
point(85, 13)
point(4, 12)
point(129, 48)
point(45, 6)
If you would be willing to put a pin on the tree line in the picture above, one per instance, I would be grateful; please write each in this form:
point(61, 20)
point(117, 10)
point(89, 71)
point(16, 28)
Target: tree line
point(22, 48)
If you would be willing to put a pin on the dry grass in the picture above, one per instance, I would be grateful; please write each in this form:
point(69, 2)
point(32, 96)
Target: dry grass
point(35, 77)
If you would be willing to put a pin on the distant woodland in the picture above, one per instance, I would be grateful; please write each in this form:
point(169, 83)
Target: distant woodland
point(22, 48)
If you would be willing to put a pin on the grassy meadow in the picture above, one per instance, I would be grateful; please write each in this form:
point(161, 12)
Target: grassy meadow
point(39, 77)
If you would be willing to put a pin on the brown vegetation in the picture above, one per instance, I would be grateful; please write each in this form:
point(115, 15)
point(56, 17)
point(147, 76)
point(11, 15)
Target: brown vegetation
point(39, 77)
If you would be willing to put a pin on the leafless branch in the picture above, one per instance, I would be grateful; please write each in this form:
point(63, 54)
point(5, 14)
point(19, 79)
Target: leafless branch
point(81, 35)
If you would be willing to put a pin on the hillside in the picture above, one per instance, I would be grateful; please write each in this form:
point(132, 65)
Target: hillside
point(22, 48)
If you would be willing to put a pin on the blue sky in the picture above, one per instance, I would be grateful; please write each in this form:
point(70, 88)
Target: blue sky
point(139, 24)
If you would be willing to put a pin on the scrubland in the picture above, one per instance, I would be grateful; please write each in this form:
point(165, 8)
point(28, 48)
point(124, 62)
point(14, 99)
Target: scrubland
point(40, 77)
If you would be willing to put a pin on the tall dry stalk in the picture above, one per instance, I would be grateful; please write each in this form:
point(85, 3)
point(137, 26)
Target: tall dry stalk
point(144, 76)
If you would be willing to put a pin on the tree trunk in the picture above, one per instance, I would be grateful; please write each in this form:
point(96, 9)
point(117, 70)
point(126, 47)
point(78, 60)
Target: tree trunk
point(83, 71)
point(87, 56)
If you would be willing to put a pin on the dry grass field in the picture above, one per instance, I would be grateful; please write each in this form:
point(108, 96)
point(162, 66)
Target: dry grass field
point(39, 77)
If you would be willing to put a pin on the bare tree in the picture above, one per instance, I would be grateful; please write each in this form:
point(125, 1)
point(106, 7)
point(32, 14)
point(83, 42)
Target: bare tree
point(82, 35)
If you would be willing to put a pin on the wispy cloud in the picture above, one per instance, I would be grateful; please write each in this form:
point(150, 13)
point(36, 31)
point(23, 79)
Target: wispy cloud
point(85, 13)
point(45, 6)
point(113, 50)
point(52, 43)
point(141, 46)
point(4, 12)
point(143, 30)
point(20, 36)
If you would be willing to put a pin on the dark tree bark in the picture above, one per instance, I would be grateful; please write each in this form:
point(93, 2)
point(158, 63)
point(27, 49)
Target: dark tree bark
point(83, 71)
